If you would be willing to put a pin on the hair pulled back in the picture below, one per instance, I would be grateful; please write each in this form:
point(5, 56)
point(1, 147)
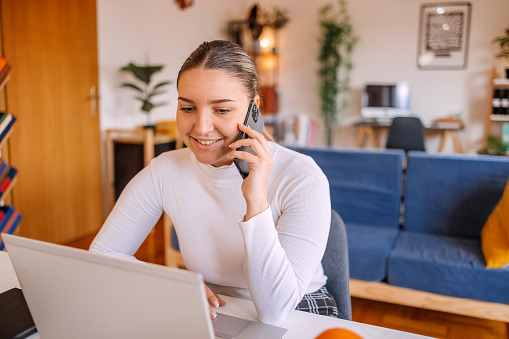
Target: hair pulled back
point(226, 56)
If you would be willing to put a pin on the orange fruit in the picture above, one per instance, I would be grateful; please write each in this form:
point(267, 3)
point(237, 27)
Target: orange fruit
point(338, 333)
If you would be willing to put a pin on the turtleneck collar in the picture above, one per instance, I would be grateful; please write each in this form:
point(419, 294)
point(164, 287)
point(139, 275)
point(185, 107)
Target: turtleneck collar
point(223, 175)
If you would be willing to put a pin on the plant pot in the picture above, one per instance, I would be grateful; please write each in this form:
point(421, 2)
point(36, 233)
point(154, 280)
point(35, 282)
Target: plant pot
point(153, 127)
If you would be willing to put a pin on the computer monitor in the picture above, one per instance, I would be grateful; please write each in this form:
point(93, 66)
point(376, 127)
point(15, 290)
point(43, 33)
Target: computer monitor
point(386, 100)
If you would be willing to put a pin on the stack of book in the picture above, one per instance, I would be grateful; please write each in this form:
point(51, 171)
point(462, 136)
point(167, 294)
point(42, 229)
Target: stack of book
point(5, 68)
point(9, 220)
point(9, 216)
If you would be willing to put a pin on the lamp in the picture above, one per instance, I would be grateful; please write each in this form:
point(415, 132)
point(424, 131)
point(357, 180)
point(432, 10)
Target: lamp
point(258, 35)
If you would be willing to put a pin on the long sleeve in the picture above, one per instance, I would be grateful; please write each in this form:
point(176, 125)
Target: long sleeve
point(281, 261)
point(135, 213)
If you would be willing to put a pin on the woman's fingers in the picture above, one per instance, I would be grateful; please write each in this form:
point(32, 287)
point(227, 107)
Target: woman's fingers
point(253, 135)
point(214, 301)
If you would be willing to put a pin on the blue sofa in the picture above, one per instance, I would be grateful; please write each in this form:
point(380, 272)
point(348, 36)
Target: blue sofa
point(413, 225)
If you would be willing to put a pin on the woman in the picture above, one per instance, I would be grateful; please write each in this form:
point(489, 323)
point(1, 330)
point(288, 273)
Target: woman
point(261, 238)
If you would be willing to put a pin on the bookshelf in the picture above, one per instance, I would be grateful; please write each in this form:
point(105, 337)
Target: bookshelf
point(9, 215)
point(499, 105)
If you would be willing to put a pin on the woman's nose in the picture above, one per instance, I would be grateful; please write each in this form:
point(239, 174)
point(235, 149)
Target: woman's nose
point(204, 123)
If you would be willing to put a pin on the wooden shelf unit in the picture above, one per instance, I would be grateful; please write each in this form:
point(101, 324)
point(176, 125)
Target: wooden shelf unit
point(3, 143)
point(496, 84)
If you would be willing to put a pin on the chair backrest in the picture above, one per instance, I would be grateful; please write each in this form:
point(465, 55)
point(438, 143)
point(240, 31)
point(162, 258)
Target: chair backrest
point(336, 268)
point(406, 133)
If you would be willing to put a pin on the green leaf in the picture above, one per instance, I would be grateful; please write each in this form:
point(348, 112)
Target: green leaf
point(133, 86)
point(164, 83)
point(144, 73)
point(154, 94)
point(147, 106)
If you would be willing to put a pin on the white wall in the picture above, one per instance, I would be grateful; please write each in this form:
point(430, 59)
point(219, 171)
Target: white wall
point(157, 31)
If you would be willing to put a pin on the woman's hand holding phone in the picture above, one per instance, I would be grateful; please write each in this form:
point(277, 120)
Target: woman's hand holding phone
point(254, 186)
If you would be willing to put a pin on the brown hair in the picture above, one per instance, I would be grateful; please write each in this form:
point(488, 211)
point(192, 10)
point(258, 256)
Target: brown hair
point(226, 56)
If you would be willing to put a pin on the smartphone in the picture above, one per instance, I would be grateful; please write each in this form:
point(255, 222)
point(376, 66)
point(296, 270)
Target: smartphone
point(253, 120)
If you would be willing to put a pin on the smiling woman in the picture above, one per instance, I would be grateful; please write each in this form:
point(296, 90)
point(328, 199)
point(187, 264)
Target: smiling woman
point(260, 238)
point(211, 104)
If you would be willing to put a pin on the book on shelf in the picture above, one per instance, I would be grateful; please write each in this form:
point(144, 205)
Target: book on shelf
point(8, 212)
point(3, 166)
point(6, 125)
point(6, 181)
point(3, 63)
point(3, 115)
point(3, 173)
point(504, 102)
point(4, 72)
point(496, 101)
point(505, 132)
point(9, 222)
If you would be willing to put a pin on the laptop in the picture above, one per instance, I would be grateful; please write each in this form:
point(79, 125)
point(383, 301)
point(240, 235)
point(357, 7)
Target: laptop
point(73, 293)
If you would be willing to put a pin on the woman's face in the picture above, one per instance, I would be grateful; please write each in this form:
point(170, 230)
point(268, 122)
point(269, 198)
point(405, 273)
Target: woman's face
point(210, 105)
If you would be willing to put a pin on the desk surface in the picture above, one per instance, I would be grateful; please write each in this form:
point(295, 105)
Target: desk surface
point(385, 123)
point(300, 324)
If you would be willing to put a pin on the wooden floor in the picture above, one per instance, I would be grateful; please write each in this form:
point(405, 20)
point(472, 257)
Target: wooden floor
point(403, 318)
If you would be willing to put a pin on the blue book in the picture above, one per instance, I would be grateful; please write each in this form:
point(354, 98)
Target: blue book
point(3, 165)
point(8, 212)
point(15, 223)
point(10, 223)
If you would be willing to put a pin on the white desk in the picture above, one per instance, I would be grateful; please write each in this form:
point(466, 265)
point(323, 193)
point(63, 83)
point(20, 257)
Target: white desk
point(300, 325)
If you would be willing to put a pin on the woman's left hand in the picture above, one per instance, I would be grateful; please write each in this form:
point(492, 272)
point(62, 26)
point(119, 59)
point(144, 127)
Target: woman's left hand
point(254, 187)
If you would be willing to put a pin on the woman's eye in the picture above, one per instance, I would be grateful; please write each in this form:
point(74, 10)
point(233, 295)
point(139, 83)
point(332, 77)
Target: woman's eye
point(224, 110)
point(186, 109)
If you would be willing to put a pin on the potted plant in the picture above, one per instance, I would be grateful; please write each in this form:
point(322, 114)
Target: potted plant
point(496, 146)
point(337, 42)
point(145, 90)
point(503, 43)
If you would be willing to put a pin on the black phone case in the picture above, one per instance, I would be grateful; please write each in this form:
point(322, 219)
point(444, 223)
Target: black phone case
point(255, 121)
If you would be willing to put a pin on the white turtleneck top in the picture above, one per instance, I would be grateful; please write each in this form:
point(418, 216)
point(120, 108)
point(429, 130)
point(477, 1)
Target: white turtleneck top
point(272, 259)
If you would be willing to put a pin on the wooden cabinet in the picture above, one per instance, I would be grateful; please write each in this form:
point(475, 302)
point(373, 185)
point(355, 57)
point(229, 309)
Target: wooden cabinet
point(52, 45)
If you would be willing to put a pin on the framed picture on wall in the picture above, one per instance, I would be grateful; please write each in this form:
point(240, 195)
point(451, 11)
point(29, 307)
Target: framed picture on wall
point(443, 35)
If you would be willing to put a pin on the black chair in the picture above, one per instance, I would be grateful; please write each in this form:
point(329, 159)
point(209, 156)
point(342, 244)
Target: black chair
point(336, 267)
point(406, 133)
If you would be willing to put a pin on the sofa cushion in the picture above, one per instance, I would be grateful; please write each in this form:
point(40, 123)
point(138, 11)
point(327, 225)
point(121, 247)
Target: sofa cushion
point(446, 265)
point(495, 234)
point(365, 185)
point(368, 250)
point(452, 194)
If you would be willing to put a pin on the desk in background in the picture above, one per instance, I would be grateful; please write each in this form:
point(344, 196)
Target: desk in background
point(128, 151)
point(300, 325)
point(369, 133)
